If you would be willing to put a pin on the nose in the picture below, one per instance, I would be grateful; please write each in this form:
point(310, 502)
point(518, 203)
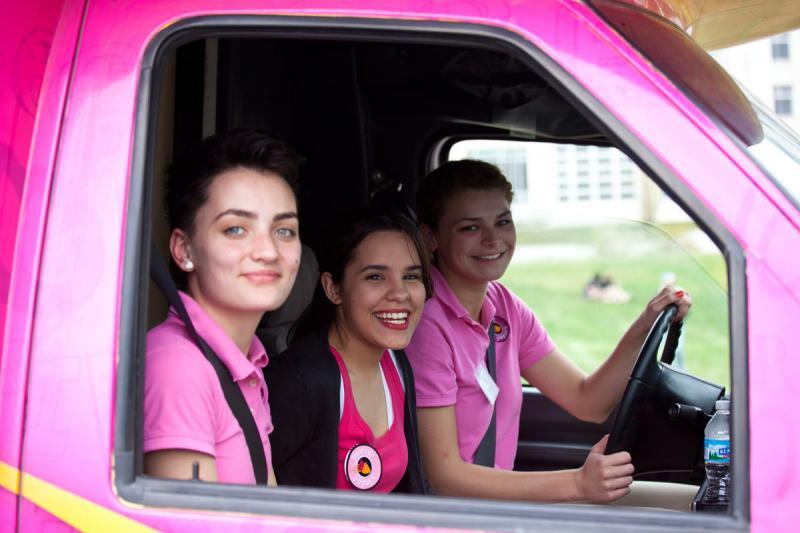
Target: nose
point(264, 248)
point(490, 235)
point(398, 291)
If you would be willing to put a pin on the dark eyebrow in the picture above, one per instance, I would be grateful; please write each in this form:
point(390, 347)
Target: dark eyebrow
point(383, 268)
point(249, 214)
point(374, 267)
point(284, 216)
point(478, 219)
point(238, 213)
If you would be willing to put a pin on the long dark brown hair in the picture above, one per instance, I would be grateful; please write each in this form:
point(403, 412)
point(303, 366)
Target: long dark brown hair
point(345, 234)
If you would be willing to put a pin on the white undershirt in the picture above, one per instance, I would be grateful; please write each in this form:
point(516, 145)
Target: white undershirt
point(386, 393)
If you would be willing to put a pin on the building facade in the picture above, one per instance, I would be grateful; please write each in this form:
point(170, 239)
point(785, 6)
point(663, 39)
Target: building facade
point(770, 70)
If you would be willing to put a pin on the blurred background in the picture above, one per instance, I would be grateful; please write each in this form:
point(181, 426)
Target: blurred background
point(597, 238)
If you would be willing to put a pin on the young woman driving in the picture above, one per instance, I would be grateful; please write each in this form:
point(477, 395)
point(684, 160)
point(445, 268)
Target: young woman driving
point(233, 217)
point(465, 217)
point(342, 395)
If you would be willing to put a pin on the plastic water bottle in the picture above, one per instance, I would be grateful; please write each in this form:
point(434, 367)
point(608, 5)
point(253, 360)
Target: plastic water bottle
point(718, 453)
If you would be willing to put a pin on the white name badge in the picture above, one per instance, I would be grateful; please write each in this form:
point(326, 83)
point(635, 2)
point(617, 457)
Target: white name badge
point(487, 384)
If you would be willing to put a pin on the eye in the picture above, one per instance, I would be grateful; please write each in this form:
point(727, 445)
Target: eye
point(374, 276)
point(234, 231)
point(412, 277)
point(471, 227)
point(505, 222)
point(286, 233)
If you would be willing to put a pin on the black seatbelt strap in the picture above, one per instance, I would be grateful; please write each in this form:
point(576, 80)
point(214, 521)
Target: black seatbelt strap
point(230, 389)
point(484, 456)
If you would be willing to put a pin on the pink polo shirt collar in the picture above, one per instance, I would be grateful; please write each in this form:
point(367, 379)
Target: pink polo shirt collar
point(222, 345)
point(448, 299)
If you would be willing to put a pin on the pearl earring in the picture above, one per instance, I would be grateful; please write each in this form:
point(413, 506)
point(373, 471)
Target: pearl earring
point(188, 265)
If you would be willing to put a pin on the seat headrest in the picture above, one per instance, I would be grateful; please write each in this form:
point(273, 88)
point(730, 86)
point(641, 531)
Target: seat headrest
point(273, 330)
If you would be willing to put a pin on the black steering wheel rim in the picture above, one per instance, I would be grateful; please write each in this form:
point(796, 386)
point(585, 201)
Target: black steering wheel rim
point(643, 379)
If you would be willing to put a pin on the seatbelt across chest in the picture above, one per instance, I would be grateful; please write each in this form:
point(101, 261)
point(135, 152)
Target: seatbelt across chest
point(485, 454)
point(230, 389)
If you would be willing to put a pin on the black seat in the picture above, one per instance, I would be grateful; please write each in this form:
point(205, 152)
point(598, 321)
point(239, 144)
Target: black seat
point(275, 326)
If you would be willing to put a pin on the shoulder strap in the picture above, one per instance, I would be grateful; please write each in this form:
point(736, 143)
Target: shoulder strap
point(232, 392)
point(485, 453)
point(397, 367)
point(416, 482)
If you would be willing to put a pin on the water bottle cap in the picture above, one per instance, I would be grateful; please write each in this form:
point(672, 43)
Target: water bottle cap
point(723, 405)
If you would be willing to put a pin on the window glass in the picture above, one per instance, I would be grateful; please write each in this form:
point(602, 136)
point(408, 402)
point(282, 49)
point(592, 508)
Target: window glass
point(783, 99)
point(779, 151)
point(512, 160)
point(780, 46)
point(596, 239)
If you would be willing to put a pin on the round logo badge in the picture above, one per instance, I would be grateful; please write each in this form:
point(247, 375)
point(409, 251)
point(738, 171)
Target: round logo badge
point(500, 328)
point(362, 466)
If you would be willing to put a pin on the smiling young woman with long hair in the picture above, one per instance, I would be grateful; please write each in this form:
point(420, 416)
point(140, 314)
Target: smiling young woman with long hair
point(233, 216)
point(342, 396)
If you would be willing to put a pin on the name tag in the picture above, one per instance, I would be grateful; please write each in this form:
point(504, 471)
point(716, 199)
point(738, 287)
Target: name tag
point(487, 384)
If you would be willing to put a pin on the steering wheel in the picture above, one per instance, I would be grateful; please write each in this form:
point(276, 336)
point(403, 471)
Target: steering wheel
point(644, 378)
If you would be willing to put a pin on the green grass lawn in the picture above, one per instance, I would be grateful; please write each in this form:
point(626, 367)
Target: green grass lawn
point(587, 331)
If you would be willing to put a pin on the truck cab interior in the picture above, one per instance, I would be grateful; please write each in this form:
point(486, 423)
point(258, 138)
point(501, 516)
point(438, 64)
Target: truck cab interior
point(373, 110)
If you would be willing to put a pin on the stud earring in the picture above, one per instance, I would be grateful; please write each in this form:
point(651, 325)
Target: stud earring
point(188, 265)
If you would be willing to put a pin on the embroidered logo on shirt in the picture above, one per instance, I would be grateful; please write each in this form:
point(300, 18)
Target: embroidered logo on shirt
point(362, 466)
point(501, 329)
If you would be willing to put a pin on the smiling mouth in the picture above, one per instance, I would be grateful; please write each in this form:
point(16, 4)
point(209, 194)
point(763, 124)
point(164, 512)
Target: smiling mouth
point(394, 319)
point(492, 257)
point(266, 276)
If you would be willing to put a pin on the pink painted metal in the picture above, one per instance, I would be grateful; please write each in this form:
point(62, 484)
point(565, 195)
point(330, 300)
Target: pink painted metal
point(65, 347)
point(37, 49)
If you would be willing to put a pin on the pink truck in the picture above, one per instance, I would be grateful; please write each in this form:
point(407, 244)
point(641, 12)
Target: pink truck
point(98, 96)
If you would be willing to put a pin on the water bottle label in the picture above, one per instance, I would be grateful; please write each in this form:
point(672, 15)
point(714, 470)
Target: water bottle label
point(718, 451)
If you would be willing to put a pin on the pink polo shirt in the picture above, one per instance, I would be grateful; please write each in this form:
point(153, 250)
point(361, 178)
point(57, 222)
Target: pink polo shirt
point(184, 407)
point(448, 349)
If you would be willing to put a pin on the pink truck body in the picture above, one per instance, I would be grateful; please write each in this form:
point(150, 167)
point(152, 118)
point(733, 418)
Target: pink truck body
point(71, 73)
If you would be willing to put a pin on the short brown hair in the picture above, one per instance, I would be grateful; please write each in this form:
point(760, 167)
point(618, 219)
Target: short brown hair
point(452, 178)
point(192, 175)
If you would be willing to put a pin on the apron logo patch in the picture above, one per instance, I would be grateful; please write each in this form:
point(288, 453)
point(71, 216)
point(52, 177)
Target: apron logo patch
point(362, 467)
point(501, 329)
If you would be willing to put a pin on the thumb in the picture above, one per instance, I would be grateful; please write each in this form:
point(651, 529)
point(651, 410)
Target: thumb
point(600, 447)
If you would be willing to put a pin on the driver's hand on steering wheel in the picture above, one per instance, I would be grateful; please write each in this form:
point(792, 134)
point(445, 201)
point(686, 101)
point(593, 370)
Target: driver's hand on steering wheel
point(668, 295)
point(604, 478)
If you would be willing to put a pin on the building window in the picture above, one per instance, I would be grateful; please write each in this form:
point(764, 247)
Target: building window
point(584, 192)
point(563, 191)
point(780, 46)
point(626, 189)
point(605, 190)
point(783, 99)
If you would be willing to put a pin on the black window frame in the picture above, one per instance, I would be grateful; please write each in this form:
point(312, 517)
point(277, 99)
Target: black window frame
point(154, 493)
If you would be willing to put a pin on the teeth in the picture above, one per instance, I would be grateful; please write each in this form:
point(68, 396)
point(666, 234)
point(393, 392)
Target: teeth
point(393, 318)
point(490, 257)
